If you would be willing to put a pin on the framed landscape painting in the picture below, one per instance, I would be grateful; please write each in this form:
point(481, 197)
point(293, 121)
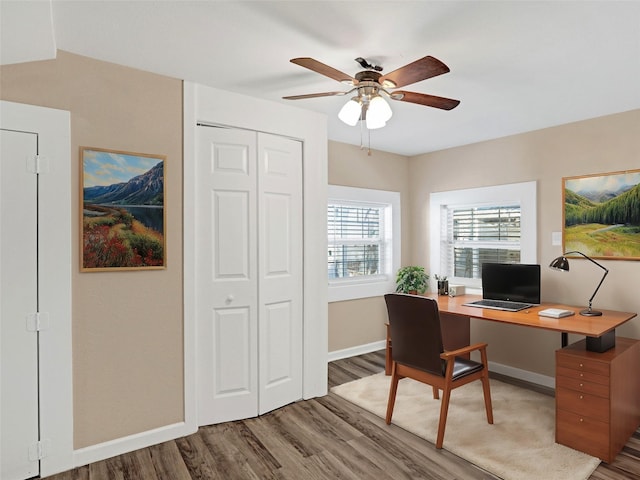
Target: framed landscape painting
point(122, 210)
point(602, 215)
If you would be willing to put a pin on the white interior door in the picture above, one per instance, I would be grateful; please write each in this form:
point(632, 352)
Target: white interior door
point(249, 252)
point(227, 249)
point(280, 271)
point(18, 300)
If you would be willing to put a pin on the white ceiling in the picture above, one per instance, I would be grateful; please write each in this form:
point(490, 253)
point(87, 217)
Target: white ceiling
point(516, 66)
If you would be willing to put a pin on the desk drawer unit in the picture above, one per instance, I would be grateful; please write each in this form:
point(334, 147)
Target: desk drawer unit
point(598, 397)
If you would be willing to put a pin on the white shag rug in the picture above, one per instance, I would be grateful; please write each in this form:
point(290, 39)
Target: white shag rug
point(520, 445)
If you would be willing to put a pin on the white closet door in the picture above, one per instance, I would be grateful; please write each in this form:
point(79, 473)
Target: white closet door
point(18, 299)
point(249, 255)
point(280, 271)
point(227, 256)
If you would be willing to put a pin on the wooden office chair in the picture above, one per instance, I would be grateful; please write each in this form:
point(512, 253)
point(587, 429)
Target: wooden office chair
point(418, 354)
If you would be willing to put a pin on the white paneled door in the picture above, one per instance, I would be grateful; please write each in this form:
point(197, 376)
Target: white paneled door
point(279, 271)
point(249, 251)
point(18, 304)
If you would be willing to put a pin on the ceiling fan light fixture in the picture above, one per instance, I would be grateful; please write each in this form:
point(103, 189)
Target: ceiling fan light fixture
point(374, 123)
point(350, 112)
point(379, 108)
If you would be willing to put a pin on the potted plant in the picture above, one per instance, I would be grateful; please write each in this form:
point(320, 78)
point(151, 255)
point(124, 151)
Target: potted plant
point(412, 279)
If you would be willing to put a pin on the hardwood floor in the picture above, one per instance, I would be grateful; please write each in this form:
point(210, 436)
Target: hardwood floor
point(323, 438)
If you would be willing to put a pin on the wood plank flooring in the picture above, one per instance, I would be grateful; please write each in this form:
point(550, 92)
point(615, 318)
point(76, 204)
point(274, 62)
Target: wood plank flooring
point(324, 438)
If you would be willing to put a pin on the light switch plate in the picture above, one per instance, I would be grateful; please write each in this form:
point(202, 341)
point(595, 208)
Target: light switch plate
point(556, 238)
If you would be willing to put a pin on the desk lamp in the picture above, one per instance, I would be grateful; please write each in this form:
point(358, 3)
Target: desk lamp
point(562, 264)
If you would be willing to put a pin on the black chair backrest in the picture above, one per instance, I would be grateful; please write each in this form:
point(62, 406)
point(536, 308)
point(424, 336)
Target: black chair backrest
point(416, 337)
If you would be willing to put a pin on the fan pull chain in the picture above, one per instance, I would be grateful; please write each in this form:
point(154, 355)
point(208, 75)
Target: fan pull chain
point(362, 146)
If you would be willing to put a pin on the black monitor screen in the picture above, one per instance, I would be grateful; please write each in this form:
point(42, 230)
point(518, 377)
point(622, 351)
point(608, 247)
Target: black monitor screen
point(511, 281)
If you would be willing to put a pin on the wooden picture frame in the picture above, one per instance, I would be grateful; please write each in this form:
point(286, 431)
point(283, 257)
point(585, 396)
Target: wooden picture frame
point(601, 215)
point(122, 210)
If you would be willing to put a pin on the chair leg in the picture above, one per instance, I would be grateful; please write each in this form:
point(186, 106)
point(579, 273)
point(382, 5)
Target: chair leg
point(392, 392)
point(487, 398)
point(444, 410)
point(485, 386)
point(436, 393)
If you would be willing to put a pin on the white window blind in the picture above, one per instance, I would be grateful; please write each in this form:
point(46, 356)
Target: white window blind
point(474, 235)
point(356, 240)
point(363, 241)
point(477, 225)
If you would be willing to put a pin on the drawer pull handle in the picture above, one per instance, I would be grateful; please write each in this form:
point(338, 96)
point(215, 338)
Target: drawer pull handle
point(581, 375)
point(581, 365)
point(582, 385)
point(581, 420)
point(581, 397)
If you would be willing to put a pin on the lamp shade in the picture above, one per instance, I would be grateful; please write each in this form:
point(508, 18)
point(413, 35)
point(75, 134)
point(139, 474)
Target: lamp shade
point(560, 263)
point(374, 123)
point(350, 112)
point(378, 112)
point(379, 108)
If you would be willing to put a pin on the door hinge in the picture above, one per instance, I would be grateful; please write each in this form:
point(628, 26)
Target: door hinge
point(39, 450)
point(37, 164)
point(38, 322)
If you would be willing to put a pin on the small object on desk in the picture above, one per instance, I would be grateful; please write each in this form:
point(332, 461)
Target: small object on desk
point(555, 313)
point(456, 290)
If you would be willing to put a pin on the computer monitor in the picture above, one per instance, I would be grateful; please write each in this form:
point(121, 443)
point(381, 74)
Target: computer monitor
point(516, 282)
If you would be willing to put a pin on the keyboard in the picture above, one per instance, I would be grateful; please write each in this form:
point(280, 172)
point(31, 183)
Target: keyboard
point(507, 305)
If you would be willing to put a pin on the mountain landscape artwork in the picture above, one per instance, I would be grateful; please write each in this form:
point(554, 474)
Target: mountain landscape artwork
point(123, 219)
point(602, 215)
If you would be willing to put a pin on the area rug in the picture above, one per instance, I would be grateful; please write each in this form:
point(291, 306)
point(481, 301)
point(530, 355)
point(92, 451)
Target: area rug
point(520, 445)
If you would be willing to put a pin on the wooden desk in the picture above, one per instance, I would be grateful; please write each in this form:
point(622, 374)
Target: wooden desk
point(578, 324)
point(594, 328)
point(597, 388)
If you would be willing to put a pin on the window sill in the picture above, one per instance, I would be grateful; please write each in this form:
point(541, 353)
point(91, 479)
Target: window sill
point(340, 293)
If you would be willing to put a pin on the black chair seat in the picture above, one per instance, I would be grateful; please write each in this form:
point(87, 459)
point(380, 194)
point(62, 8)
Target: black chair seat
point(463, 367)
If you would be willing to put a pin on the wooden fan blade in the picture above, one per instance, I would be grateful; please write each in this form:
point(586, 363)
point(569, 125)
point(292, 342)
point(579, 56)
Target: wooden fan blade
point(314, 95)
point(422, 69)
point(323, 69)
point(424, 99)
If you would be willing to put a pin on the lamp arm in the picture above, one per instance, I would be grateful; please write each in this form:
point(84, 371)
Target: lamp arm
point(606, 271)
point(598, 287)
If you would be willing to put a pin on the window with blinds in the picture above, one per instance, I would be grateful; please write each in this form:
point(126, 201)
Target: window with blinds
point(474, 235)
point(356, 240)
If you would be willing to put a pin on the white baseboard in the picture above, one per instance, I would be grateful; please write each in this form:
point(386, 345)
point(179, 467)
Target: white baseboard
point(525, 375)
point(513, 372)
point(101, 451)
point(355, 351)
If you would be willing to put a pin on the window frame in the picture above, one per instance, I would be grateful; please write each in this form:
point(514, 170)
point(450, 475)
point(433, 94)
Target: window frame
point(524, 194)
point(351, 288)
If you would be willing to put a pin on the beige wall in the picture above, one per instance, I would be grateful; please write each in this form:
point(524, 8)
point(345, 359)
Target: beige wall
point(358, 322)
point(600, 145)
point(127, 326)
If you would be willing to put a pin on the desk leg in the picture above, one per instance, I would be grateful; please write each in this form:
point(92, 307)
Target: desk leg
point(565, 339)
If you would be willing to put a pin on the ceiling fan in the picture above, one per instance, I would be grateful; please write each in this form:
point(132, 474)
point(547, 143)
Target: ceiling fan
point(370, 86)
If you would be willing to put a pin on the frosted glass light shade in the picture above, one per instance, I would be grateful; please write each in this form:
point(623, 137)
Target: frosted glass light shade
point(379, 108)
point(350, 113)
point(373, 122)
